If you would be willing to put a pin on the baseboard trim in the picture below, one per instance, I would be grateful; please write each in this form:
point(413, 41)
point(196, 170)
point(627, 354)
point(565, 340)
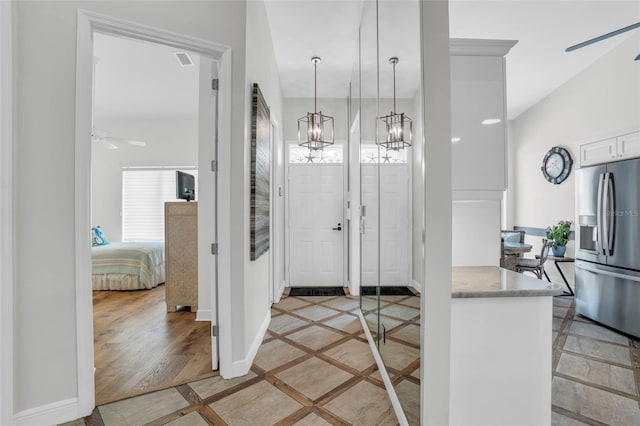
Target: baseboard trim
point(203, 315)
point(416, 286)
point(280, 291)
point(49, 414)
point(241, 367)
point(354, 290)
point(395, 402)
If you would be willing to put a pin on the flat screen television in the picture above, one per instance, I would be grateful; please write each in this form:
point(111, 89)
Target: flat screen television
point(185, 186)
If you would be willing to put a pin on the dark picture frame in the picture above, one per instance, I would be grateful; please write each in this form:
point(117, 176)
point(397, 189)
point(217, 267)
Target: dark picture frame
point(260, 174)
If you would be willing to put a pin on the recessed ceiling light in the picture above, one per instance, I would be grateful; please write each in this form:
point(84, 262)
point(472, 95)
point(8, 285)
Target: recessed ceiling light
point(184, 59)
point(455, 139)
point(490, 121)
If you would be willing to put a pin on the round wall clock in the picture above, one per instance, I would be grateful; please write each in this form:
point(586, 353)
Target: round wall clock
point(556, 165)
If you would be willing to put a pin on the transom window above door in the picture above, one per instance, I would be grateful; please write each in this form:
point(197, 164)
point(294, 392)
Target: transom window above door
point(303, 155)
point(372, 153)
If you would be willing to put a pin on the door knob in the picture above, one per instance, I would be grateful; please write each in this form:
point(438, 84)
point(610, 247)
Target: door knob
point(338, 228)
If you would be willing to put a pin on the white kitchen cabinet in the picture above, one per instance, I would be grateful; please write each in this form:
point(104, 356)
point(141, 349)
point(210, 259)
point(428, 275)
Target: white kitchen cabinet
point(612, 149)
point(628, 146)
point(478, 94)
point(598, 152)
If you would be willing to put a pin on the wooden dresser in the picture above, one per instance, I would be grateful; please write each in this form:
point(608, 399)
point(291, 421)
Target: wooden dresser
point(181, 254)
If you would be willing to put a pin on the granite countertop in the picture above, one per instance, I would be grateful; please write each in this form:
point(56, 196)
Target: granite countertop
point(492, 281)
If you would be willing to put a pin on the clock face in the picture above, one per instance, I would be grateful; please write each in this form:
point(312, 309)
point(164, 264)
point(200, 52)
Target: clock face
point(556, 165)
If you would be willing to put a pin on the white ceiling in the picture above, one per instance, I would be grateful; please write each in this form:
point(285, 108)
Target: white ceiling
point(536, 66)
point(139, 80)
point(135, 79)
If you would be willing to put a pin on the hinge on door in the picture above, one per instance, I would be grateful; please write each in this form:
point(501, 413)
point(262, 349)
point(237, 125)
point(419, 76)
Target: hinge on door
point(214, 84)
point(214, 166)
point(214, 248)
point(214, 330)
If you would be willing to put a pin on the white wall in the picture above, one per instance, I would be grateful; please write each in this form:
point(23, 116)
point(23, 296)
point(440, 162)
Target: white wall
point(6, 212)
point(169, 143)
point(600, 102)
point(417, 199)
point(261, 68)
point(436, 294)
point(476, 223)
point(45, 344)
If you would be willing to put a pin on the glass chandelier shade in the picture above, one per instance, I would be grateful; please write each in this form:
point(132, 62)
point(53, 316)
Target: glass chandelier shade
point(395, 130)
point(315, 130)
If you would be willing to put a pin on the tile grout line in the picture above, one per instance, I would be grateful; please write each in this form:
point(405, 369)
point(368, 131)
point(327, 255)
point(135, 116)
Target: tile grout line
point(597, 386)
point(558, 349)
point(634, 349)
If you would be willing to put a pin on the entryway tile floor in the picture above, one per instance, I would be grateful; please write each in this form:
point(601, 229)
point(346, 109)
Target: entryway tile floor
point(315, 367)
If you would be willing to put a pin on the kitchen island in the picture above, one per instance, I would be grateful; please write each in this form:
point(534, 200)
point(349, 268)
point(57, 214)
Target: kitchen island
point(501, 356)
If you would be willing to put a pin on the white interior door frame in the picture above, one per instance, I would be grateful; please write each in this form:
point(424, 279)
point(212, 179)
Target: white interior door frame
point(207, 214)
point(287, 234)
point(275, 230)
point(88, 24)
point(7, 238)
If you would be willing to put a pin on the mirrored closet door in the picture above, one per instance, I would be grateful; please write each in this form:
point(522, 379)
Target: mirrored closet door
point(386, 128)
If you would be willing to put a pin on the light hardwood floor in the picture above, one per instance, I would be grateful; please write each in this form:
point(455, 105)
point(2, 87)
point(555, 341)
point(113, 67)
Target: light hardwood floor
point(140, 347)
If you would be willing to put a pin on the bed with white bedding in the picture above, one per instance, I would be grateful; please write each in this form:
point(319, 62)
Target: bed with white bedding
point(127, 265)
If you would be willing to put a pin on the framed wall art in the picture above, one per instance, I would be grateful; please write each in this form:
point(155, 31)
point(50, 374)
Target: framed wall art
point(260, 184)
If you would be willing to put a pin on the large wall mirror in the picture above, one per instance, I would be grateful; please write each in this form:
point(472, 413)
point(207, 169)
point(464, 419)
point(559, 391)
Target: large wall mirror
point(387, 185)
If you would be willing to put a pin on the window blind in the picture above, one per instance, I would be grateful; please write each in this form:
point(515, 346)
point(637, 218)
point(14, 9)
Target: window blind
point(144, 192)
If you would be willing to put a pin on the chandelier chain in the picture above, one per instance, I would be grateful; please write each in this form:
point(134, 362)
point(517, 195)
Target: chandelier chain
point(394, 87)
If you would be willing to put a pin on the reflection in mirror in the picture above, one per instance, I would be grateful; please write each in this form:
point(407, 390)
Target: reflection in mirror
point(367, 177)
point(401, 200)
point(391, 188)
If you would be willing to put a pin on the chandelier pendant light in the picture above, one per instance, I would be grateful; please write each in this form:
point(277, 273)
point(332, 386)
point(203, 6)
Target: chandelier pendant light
point(395, 130)
point(315, 130)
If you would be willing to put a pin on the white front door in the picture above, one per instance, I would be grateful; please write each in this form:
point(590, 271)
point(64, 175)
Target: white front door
point(391, 223)
point(316, 225)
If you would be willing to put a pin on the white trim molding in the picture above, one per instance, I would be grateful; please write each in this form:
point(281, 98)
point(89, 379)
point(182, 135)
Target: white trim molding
point(7, 237)
point(395, 402)
point(479, 47)
point(241, 367)
point(55, 413)
point(203, 315)
point(88, 24)
point(416, 285)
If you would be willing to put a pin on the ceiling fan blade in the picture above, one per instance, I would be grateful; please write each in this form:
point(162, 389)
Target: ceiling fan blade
point(637, 57)
point(125, 140)
point(106, 144)
point(603, 37)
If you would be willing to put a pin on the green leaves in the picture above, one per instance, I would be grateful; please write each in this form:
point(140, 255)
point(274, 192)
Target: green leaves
point(559, 233)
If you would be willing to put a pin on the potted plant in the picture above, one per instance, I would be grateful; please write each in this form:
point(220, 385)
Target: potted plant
point(559, 234)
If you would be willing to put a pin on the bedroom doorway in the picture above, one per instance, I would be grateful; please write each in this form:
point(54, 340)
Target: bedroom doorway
point(147, 125)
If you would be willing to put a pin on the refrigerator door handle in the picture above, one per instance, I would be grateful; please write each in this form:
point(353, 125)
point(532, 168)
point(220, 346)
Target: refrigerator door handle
point(600, 231)
point(610, 273)
point(612, 231)
point(605, 215)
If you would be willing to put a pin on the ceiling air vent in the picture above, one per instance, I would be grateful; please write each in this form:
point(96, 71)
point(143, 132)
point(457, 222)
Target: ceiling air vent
point(184, 59)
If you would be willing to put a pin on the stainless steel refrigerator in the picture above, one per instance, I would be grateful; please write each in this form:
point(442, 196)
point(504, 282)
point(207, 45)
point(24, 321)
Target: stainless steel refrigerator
point(607, 268)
